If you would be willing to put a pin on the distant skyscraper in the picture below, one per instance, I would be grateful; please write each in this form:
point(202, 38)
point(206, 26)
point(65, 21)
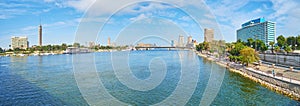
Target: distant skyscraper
point(208, 35)
point(19, 42)
point(257, 29)
point(108, 42)
point(181, 41)
point(92, 44)
point(189, 40)
point(40, 35)
point(172, 43)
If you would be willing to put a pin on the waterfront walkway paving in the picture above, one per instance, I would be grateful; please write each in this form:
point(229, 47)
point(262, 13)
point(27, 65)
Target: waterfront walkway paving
point(281, 73)
point(275, 77)
point(286, 73)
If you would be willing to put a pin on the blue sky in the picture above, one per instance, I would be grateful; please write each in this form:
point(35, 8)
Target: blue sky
point(61, 18)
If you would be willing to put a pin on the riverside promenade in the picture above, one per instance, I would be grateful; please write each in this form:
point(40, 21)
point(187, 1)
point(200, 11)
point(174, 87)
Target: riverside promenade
point(282, 80)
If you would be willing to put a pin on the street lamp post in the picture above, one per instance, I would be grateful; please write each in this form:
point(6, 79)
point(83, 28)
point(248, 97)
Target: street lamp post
point(276, 59)
point(255, 42)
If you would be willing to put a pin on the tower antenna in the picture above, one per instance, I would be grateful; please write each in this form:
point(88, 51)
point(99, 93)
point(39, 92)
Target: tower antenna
point(40, 20)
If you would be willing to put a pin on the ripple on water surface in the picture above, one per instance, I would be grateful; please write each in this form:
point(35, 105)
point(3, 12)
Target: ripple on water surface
point(49, 80)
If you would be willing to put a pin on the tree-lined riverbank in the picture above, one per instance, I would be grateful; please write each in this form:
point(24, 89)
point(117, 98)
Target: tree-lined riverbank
point(276, 82)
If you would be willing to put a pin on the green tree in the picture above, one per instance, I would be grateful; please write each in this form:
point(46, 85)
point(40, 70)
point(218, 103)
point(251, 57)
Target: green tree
point(206, 45)
point(1, 50)
point(291, 41)
point(298, 42)
point(281, 41)
point(248, 55)
point(263, 48)
point(239, 41)
point(235, 58)
point(236, 49)
point(64, 46)
point(288, 49)
point(200, 47)
point(259, 45)
point(49, 48)
point(250, 42)
point(272, 46)
point(277, 48)
point(76, 45)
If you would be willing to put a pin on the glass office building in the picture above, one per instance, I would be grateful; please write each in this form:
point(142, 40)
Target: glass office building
point(257, 29)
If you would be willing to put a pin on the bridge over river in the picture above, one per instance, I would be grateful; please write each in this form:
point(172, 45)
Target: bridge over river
point(161, 47)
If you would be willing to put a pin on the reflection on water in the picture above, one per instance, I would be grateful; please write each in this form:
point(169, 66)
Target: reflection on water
point(49, 80)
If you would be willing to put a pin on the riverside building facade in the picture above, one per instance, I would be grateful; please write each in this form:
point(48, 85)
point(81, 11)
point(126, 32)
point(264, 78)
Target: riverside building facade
point(257, 29)
point(19, 42)
point(208, 35)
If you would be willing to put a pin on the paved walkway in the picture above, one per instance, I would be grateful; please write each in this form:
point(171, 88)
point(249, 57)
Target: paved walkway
point(295, 75)
point(282, 78)
point(281, 73)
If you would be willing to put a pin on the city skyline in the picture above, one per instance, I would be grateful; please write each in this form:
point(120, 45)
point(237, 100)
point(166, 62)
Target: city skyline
point(60, 18)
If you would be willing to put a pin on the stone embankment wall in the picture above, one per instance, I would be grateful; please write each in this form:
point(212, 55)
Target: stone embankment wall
point(287, 88)
point(284, 87)
point(290, 60)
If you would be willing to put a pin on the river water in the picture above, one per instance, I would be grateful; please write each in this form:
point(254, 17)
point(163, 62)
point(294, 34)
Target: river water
point(127, 78)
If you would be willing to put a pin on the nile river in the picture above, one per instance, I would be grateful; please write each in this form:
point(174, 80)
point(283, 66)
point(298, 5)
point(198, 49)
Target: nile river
point(174, 77)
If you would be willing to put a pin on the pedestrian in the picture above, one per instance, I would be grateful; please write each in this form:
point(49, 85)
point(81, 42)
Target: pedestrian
point(273, 73)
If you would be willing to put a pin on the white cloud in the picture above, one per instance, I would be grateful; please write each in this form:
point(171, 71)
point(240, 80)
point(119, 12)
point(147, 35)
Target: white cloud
point(185, 18)
point(103, 7)
point(141, 16)
point(60, 23)
point(286, 15)
point(80, 5)
point(8, 13)
point(282, 7)
point(257, 11)
point(13, 5)
point(231, 14)
point(28, 28)
point(3, 17)
point(93, 19)
point(210, 16)
point(49, 1)
point(46, 10)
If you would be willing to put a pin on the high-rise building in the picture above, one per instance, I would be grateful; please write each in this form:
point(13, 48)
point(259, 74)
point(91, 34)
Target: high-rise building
point(172, 43)
point(40, 35)
point(189, 40)
point(108, 41)
point(181, 41)
point(208, 35)
point(257, 29)
point(19, 42)
point(92, 44)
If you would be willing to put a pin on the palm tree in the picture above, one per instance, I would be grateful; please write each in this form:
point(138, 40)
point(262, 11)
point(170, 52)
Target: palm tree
point(250, 42)
point(277, 48)
point(272, 45)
